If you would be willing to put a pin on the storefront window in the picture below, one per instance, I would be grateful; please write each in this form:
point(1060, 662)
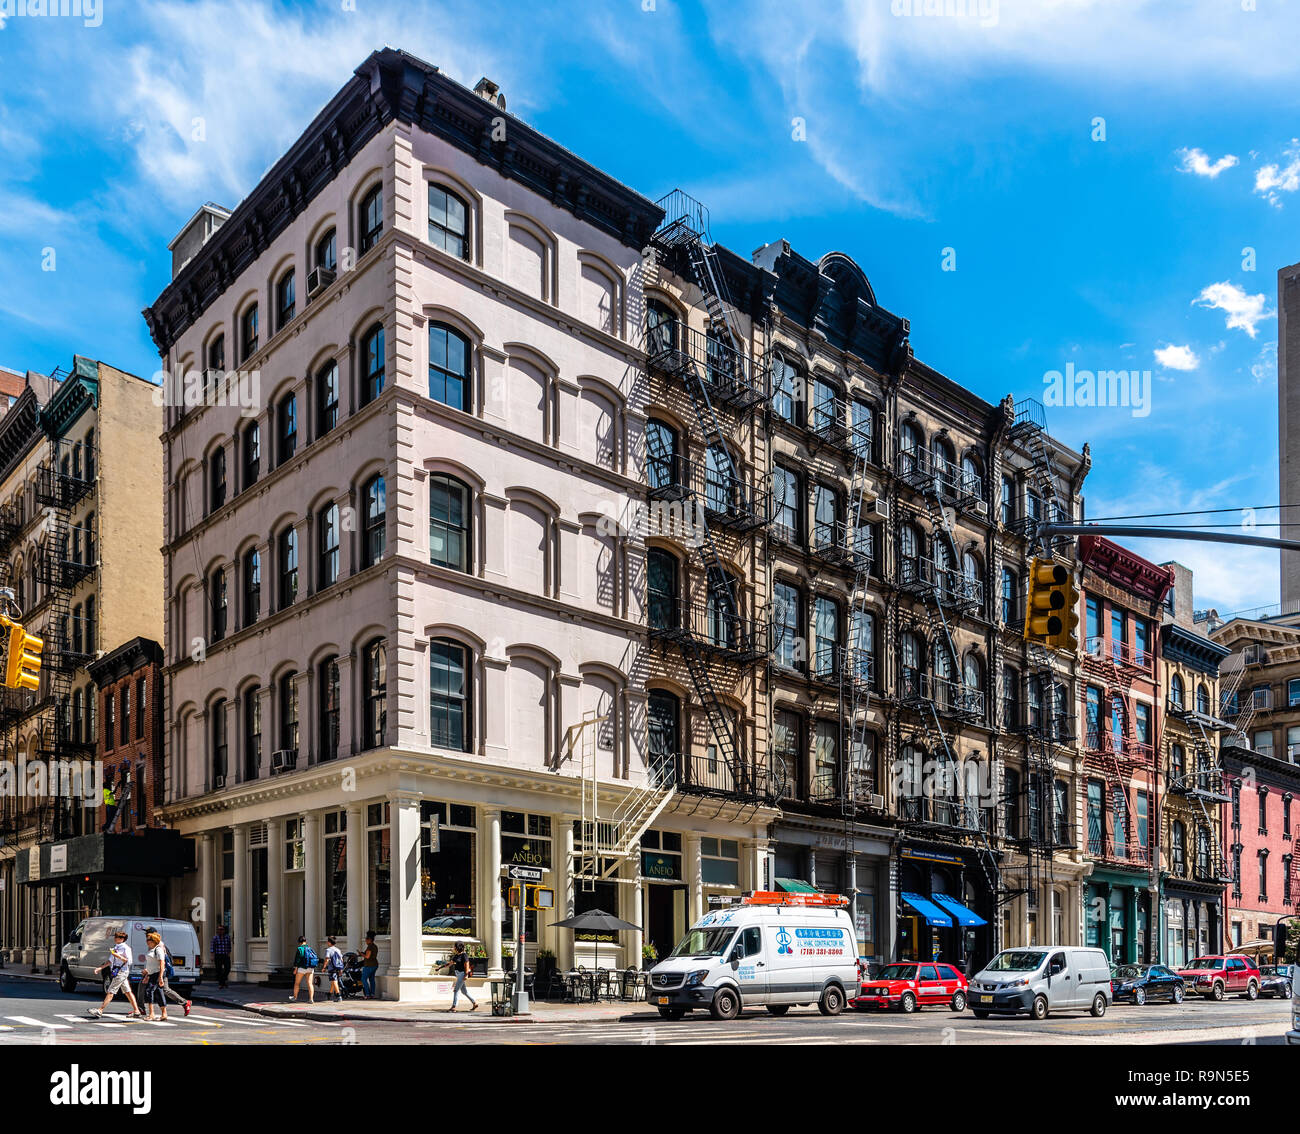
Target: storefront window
point(449, 873)
point(336, 873)
point(294, 856)
point(661, 856)
point(525, 839)
point(603, 897)
point(257, 883)
point(379, 865)
point(720, 862)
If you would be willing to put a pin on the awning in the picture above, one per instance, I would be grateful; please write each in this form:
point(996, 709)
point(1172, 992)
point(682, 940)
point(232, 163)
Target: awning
point(794, 886)
point(927, 909)
point(963, 915)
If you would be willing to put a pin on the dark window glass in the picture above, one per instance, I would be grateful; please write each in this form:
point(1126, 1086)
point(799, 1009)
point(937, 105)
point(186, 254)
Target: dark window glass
point(328, 687)
point(217, 713)
point(284, 299)
point(662, 580)
point(327, 398)
point(376, 517)
point(252, 733)
point(289, 713)
point(449, 523)
point(448, 367)
point(448, 226)
point(217, 468)
point(448, 695)
point(217, 354)
point(252, 586)
point(371, 218)
point(325, 252)
point(248, 333)
point(252, 454)
point(376, 704)
point(288, 557)
point(219, 605)
point(328, 547)
point(372, 355)
point(287, 414)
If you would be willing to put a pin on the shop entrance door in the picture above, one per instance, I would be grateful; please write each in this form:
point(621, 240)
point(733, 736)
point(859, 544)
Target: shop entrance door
point(908, 942)
point(294, 923)
point(665, 918)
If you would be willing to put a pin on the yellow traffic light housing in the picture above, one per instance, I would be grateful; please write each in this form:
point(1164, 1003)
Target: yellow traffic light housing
point(1066, 639)
point(23, 663)
point(1052, 610)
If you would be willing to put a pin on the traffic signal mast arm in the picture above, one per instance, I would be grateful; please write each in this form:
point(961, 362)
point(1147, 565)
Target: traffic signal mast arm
point(1046, 531)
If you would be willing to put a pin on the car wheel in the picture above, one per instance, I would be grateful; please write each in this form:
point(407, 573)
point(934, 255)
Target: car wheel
point(778, 1009)
point(1178, 994)
point(66, 981)
point(1286, 992)
point(1139, 996)
point(958, 1001)
point(1216, 993)
point(979, 1013)
point(1252, 991)
point(1099, 1005)
point(1039, 1009)
point(907, 1003)
point(832, 1001)
point(672, 1013)
point(726, 1005)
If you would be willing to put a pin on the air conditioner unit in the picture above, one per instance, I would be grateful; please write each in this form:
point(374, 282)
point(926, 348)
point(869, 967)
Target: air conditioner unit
point(318, 279)
point(218, 782)
point(283, 760)
point(982, 508)
point(876, 508)
point(877, 802)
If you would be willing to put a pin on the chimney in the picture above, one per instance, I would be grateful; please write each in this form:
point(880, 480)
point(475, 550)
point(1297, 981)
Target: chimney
point(490, 92)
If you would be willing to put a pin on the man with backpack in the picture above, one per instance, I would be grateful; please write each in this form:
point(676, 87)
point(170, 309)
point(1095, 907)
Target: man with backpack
point(168, 975)
point(304, 965)
point(334, 966)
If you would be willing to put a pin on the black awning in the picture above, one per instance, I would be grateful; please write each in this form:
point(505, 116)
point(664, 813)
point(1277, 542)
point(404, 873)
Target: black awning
point(151, 853)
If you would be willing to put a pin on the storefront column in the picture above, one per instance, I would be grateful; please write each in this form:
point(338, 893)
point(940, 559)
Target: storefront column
point(851, 879)
point(239, 905)
point(356, 852)
point(812, 867)
point(311, 878)
point(407, 952)
point(1132, 942)
point(629, 899)
point(275, 950)
point(695, 878)
point(492, 889)
point(209, 908)
point(563, 890)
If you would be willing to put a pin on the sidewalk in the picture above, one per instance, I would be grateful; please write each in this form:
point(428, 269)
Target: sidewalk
point(275, 1003)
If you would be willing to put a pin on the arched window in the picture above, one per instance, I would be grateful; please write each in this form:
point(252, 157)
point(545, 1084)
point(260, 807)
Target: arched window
point(370, 218)
point(661, 455)
point(217, 479)
point(217, 355)
point(287, 423)
point(785, 385)
point(972, 672)
point(910, 445)
point(372, 359)
point(289, 713)
point(1202, 699)
point(1010, 609)
point(1010, 697)
point(375, 708)
point(913, 659)
point(90, 624)
point(285, 300)
point(252, 586)
point(449, 718)
point(971, 476)
point(326, 257)
point(448, 367)
point(722, 612)
point(449, 523)
point(1008, 502)
point(943, 676)
point(862, 641)
point(1179, 847)
point(252, 732)
point(327, 686)
point(220, 604)
point(327, 523)
point(376, 519)
point(448, 222)
point(664, 735)
point(327, 398)
point(660, 327)
point(217, 714)
point(1203, 854)
point(909, 551)
point(826, 627)
point(1176, 692)
point(287, 556)
point(945, 458)
point(252, 448)
point(661, 574)
point(248, 333)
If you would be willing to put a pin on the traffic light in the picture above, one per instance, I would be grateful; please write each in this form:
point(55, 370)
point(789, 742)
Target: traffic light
point(23, 665)
point(1052, 613)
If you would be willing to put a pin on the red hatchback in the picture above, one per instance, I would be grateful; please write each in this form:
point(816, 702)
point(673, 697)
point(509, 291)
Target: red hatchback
point(909, 985)
point(1215, 977)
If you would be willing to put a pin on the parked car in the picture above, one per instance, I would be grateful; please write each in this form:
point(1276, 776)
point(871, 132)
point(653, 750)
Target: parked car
point(1140, 983)
point(88, 946)
point(1215, 976)
point(1039, 980)
point(1276, 980)
point(907, 986)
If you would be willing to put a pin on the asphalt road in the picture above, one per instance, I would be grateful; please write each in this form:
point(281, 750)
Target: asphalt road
point(32, 1013)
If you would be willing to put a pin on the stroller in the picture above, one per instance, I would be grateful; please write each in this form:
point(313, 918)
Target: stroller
point(349, 975)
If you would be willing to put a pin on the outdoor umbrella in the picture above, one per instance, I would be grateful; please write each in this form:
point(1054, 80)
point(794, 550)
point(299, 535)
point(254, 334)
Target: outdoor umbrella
point(595, 921)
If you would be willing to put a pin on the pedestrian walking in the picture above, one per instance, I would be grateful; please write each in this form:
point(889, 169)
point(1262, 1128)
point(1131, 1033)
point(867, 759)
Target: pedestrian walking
point(334, 966)
point(304, 966)
point(369, 966)
point(221, 955)
point(460, 967)
point(119, 976)
point(155, 960)
point(167, 974)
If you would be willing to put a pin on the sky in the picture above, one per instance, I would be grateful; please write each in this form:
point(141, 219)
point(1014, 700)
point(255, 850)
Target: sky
point(1043, 188)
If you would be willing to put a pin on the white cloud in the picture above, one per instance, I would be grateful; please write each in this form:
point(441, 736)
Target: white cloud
point(1275, 179)
point(1264, 368)
point(1243, 311)
point(1177, 358)
point(1197, 161)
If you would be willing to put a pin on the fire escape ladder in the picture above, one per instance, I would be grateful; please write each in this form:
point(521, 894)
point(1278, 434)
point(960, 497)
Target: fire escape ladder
point(855, 674)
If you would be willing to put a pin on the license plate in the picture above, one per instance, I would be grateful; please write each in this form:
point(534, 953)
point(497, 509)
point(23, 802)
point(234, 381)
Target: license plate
point(663, 1000)
point(985, 999)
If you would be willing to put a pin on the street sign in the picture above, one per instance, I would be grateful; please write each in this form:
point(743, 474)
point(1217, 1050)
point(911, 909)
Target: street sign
point(525, 873)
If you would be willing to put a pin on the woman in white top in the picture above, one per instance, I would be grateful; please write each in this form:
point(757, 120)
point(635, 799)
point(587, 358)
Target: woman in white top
point(155, 961)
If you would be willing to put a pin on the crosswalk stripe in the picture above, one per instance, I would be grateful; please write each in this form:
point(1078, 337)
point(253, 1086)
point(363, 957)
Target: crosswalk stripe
point(83, 1020)
point(35, 1023)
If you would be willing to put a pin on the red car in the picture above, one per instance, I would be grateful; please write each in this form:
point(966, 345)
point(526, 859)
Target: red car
point(909, 985)
point(1214, 977)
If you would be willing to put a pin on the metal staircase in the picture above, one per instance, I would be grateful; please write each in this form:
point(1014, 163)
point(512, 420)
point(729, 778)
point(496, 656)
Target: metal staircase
point(1029, 431)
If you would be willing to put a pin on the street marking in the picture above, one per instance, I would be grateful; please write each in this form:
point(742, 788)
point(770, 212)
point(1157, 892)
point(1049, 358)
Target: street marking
point(37, 1023)
point(84, 1020)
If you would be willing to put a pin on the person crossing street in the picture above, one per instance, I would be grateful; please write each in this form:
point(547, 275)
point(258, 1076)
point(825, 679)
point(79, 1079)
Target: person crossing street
point(119, 972)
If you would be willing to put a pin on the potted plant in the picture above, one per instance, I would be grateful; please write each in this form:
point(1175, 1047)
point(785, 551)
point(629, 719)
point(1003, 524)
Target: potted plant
point(545, 965)
point(649, 955)
point(478, 959)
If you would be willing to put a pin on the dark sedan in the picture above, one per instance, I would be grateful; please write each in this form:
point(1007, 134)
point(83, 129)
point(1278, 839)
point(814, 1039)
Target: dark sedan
point(1276, 980)
point(1140, 983)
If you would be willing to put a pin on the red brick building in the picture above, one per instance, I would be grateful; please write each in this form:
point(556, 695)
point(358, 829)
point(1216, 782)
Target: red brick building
point(130, 741)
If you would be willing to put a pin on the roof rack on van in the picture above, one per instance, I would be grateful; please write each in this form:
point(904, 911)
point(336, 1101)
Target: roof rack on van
point(781, 898)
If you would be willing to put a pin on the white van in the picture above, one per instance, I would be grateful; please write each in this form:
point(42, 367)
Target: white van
point(773, 949)
point(89, 943)
point(1042, 978)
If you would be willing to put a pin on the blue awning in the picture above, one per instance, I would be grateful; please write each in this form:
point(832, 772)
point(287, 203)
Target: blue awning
point(927, 909)
point(963, 915)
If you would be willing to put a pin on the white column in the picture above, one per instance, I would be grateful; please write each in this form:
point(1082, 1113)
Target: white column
point(356, 877)
point(407, 952)
point(632, 906)
point(564, 892)
point(312, 896)
point(348, 697)
point(694, 878)
point(492, 880)
point(239, 905)
point(211, 910)
point(276, 956)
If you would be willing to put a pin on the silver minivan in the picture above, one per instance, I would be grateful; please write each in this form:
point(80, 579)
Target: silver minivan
point(1039, 979)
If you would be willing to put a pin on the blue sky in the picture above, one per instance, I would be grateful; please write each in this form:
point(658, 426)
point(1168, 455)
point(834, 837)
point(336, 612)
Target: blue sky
point(892, 130)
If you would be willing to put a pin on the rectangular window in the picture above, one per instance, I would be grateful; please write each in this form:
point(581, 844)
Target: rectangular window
point(1117, 641)
point(139, 707)
point(1143, 820)
point(789, 647)
point(1092, 641)
point(1140, 642)
point(786, 496)
point(379, 867)
point(124, 735)
point(336, 873)
point(259, 891)
point(720, 862)
point(1293, 692)
point(784, 397)
point(449, 870)
point(1142, 717)
point(1096, 818)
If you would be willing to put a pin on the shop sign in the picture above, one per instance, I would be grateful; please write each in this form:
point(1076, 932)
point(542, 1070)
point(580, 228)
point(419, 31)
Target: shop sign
point(664, 866)
point(933, 856)
point(518, 851)
point(34, 864)
point(59, 858)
